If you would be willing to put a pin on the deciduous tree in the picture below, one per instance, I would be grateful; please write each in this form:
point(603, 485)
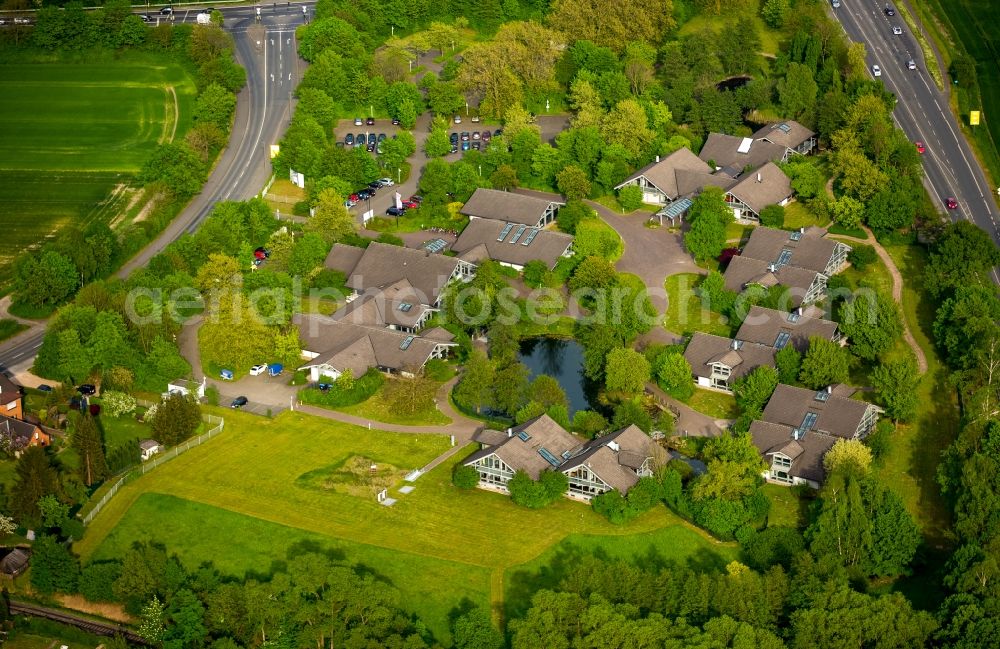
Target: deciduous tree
point(626, 371)
point(825, 363)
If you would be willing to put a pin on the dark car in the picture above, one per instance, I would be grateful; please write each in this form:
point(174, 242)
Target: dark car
point(365, 194)
point(486, 136)
point(370, 121)
point(166, 11)
point(416, 198)
point(889, 11)
point(381, 137)
point(395, 121)
point(359, 139)
point(465, 136)
point(465, 146)
point(371, 148)
point(374, 185)
point(395, 211)
point(349, 140)
point(372, 138)
point(324, 387)
point(498, 132)
point(477, 145)
point(239, 402)
point(453, 138)
point(454, 148)
point(86, 389)
point(44, 387)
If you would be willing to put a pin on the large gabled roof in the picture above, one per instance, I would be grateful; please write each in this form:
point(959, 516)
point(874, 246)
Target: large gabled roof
point(526, 447)
point(517, 244)
point(806, 452)
point(506, 206)
point(768, 185)
point(788, 133)
point(835, 415)
point(744, 270)
point(738, 152)
point(381, 265)
point(663, 174)
point(741, 357)
point(614, 457)
point(770, 326)
point(806, 249)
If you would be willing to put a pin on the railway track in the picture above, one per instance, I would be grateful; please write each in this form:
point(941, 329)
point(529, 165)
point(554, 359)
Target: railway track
point(107, 629)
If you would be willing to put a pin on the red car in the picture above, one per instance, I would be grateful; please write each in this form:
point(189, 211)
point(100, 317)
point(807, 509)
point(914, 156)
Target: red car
point(920, 147)
point(951, 203)
point(354, 197)
point(411, 205)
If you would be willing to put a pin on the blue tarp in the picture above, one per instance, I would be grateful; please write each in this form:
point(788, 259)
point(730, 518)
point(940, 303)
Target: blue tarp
point(226, 374)
point(275, 368)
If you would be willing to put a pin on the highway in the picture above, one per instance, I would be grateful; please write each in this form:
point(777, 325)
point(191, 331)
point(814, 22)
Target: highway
point(263, 110)
point(923, 113)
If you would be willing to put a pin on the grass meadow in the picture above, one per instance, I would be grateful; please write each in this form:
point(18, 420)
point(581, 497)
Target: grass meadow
point(71, 135)
point(240, 500)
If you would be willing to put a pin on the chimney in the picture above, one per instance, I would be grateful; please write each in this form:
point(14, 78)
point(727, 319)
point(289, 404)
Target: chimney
point(735, 344)
point(657, 158)
point(798, 311)
point(802, 230)
point(510, 432)
point(829, 389)
point(795, 434)
point(758, 176)
point(771, 268)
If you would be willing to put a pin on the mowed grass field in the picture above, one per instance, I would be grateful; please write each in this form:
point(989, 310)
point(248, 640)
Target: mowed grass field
point(70, 134)
point(239, 502)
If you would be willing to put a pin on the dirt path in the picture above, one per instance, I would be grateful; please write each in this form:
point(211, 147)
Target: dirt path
point(897, 293)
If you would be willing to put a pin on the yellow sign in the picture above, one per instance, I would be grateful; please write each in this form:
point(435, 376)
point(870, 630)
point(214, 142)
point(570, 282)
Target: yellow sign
point(274, 150)
point(973, 118)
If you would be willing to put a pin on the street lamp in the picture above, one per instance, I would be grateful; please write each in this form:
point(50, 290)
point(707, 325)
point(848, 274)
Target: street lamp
point(399, 175)
point(480, 171)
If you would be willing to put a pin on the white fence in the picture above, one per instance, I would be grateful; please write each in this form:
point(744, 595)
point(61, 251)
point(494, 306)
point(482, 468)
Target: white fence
point(157, 460)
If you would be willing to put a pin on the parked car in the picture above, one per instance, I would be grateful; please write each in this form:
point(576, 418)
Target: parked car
point(146, 18)
point(465, 136)
point(417, 198)
point(458, 119)
point(381, 137)
point(365, 194)
point(951, 203)
point(349, 203)
point(372, 138)
point(920, 147)
point(354, 197)
point(324, 387)
point(410, 205)
point(226, 375)
point(349, 140)
point(275, 369)
point(358, 121)
point(477, 146)
point(374, 185)
point(453, 138)
point(911, 65)
point(257, 370)
point(465, 146)
point(239, 402)
point(454, 148)
point(262, 253)
point(395, 121)
point(395, 211)
point(44, 387)
point(897, 30)
point(86, 389)
point(359, 139)
point(370, 121)
point(498, 132)
point(876, 71)
point(386, 182)
point(475, 119)
point(476, 135)
point(486, 137)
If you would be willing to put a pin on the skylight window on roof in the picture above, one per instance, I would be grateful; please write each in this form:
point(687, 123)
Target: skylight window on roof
point(795, 236)
point(523, 436)
point(822, 396)
point(405, 307)
point(808, 421)
point(517, 235)
point(784, 128)
point(784, 257)
point(406, 343)
point(506, 230)
point(782, 340)
point(531, 237)
point(566, 455)
point(549, 457)
point(794, 316)
point(745, 145)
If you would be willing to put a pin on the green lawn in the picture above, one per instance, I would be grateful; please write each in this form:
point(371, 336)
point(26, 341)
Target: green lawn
point(911, 463)
point(735, 232)
point(769, 38)
point(714, 404)
point(787, 509)
point(685, 314)
point(74, 134)
point(247, 483)
point(797, 215)
point(379, 408)
point(118, 430)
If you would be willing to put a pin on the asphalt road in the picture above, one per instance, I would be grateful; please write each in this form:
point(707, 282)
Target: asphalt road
point(263, 110)
point(924, 115)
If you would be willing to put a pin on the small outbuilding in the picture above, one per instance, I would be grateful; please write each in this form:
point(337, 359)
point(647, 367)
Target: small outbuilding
point(148, 448)
point(15, 562)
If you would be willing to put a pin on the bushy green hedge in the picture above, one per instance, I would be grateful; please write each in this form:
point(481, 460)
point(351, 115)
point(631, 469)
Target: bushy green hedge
point(363, 388)
point(550, 487)
point(464, 477)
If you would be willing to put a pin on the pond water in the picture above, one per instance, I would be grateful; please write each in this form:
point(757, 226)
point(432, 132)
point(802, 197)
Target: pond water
point(562, 360)
point(733, 83)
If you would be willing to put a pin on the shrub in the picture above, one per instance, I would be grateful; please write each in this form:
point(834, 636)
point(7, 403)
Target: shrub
point(862, 256)
point(774, 545)
point(773, 216)
point(464, 477)
point(630, 197)
point(526, 492)
point(534, 273)
point(361, 389)
point(97, 581)
point(117, 404)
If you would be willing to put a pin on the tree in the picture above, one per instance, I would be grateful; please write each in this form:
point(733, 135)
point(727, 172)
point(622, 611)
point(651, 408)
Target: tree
point(862, 256)
point(848, 455)
point(45, 279)
point(621, 23)
point(571, 214)
point(407, 395)
point(87, 443)
point(962, 256)
point(594, 237)
point(848, 212)
point(807, 179)
point(75, 361)
point(474, 630)
point(673, 374)
point(627, 124)
point(546, 391)
point(630, 197)
point(709, 216)
point(35, 479)
point(53, 567)
point(894, 382)
point(825, 363)
point(510, 384)
point(216, 105)
point(797, 92)
point(753, 390)
point(186, 615)
point(437, 143)
point(152, 621)
point(842, 528)
point(773, 12)
point(626, 370)
point(573, 183)
point(589, 423)
point(631, 412)
point(788, 360)
point(504, 177)
point(177, 417)
point(177, 167)
point(872, 323)
point(464, 477)
point(331, 220)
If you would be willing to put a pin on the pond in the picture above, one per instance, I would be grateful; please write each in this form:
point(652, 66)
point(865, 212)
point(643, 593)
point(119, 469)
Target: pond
point(562, 360)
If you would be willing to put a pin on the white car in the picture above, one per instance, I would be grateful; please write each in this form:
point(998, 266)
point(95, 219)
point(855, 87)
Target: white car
point(897, 30)
point(386, 182)
point(911, 65)
point(876, 71)
point(257, 370)
point(458, 119)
